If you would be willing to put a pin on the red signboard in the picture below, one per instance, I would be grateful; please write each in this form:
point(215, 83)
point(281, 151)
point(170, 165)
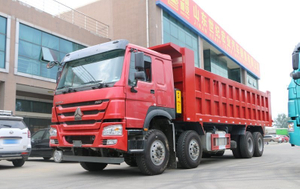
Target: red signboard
point(189, 11)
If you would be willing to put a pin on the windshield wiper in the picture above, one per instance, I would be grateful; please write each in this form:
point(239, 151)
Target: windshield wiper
point(6, 126)
point(69, 90)
point(94, 81)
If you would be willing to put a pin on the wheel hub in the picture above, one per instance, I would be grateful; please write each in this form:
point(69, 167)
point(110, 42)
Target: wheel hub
point(194, 149)
point(157, 152)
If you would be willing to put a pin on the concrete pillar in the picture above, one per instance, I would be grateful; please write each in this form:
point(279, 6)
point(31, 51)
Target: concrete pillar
point(201, 54)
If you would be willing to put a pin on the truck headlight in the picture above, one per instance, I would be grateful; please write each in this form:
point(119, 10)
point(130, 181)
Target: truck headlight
point(53, 132)
point(291, 127)
point(112, 130)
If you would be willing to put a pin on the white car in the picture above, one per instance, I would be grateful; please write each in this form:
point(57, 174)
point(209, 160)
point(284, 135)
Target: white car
point(15, 144)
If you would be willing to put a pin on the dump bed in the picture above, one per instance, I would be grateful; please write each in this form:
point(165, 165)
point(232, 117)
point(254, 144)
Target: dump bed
point(209, 98)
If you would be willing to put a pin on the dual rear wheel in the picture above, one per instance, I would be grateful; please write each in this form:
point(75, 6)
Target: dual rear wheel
point(248, 145)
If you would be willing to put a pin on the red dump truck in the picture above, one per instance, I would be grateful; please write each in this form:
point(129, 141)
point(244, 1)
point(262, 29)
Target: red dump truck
point(117, 102)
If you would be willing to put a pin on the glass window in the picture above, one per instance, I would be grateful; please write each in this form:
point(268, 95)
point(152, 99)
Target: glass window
point(38, 135)
point(66, 46)
point(29, 50)
point(32, 59)
point(2, 25)
point(2, 59)
point(101, 68)
point(50, 41)
point(30, 34)
point(2, 41)
point(147, 69)
point(33, 106)
point(177, 33)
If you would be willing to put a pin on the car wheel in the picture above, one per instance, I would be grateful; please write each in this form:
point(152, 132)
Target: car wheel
point(93, 166)
point(57, 156)
point(46, 158)
point(189, 149)
point(246, 145)
point(258, 144)
point(18, 162)
point(155, 158)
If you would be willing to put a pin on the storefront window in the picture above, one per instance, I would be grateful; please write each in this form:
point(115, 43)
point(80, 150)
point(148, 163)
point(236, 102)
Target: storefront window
point(175, 32)
point(33, 106)
point(251, 81)
point(31, 43)
point(2, 41)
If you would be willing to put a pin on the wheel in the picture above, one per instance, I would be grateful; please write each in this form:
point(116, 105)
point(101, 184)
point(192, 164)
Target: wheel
point(46, 158)
point(18, 162)
point(189, 149)
point(236, 151)
point(93, 166)
point(155, 158)
point(246, 145)
point(258, 144)
point(131, 161)
point(57, 156)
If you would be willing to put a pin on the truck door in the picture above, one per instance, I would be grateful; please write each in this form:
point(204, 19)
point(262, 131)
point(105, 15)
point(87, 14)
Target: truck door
point(140, 95)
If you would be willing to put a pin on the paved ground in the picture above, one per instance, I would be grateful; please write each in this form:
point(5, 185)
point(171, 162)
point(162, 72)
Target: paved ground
point(278, 168)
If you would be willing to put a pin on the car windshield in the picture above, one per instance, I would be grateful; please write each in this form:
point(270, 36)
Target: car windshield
point(101, 68)
point(12, 124)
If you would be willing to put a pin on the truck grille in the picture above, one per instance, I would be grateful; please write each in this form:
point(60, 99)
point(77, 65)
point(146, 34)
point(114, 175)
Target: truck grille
point(89, 103)
point(91, 114)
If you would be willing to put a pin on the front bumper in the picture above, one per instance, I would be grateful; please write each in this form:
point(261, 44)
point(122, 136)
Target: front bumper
point(89, 138)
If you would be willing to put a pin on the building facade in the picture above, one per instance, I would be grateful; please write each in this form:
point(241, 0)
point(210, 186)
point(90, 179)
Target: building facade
point(183, 22)
point(26, 35)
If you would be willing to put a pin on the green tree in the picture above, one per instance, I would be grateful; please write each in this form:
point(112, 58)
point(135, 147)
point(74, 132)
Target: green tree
point(281, 121)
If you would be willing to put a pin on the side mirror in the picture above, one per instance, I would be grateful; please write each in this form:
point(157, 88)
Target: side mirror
point(296, 75)
point(295, 60)
point(139, 60)
point(140, 75)
point(51, 64)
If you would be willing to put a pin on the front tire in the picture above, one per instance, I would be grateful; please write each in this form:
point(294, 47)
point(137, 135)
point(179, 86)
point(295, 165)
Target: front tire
point(92, 167)
point(18, 162)
point(258, 144)
point(247, 145)
point(189, 150)
point(155, 158)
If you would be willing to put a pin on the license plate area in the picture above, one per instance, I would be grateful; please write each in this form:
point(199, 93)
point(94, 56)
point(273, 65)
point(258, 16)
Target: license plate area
point(10, 141)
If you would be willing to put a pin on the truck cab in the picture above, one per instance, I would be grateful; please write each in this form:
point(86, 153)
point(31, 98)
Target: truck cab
point(294, 100)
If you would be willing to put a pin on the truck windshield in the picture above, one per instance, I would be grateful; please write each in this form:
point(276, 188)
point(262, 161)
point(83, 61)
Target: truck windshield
point(101, 68)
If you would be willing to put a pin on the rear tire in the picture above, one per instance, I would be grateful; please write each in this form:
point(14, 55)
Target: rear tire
point(189, 149)
point(258, 144)
point(93, 166)
point(247, 145)
point(155, 158)
point(18, 162)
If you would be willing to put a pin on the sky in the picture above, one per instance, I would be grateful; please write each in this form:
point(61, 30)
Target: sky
point(266, 29)
point(269, 30)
